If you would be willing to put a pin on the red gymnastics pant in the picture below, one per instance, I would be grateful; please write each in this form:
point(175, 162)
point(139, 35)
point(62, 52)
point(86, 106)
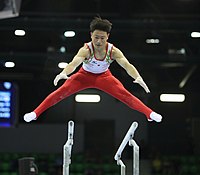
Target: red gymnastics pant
point(83, 80)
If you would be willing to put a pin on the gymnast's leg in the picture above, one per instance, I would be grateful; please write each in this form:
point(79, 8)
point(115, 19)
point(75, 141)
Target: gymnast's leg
point(76, 83)
point(115, 88)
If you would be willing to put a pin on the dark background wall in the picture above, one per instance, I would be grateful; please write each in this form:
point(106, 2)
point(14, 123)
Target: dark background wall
point(174, 135)
point(162, 66)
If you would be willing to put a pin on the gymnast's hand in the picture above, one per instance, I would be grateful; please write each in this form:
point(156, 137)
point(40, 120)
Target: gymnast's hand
point(140, 81)
point(59, 77)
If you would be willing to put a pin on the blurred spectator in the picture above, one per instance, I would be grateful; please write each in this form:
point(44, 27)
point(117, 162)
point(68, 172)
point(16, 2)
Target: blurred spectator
point(156, 164)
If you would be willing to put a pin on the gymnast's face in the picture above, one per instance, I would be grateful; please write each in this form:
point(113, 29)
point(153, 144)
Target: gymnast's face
point(99, 39)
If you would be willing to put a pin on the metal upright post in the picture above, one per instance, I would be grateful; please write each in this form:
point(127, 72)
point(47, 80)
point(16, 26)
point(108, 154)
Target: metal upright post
point(123, 167)
point(136, 160)
point(67, 148)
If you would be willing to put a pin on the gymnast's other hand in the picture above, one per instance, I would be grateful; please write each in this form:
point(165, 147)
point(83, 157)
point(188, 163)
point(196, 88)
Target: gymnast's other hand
point(59, 77)
point(140, 81)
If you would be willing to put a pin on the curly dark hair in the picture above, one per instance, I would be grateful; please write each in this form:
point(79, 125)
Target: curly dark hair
point(100, 24)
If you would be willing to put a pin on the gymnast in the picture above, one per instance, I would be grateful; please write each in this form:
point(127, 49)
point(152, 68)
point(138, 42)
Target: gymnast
point(96, 57)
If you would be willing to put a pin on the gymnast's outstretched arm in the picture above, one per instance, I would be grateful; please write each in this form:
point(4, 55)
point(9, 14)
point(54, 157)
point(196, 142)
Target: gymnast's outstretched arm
point(130, 69)
point(70, 68)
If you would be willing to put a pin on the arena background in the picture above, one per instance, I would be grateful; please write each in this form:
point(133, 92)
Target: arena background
point(100, 127)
